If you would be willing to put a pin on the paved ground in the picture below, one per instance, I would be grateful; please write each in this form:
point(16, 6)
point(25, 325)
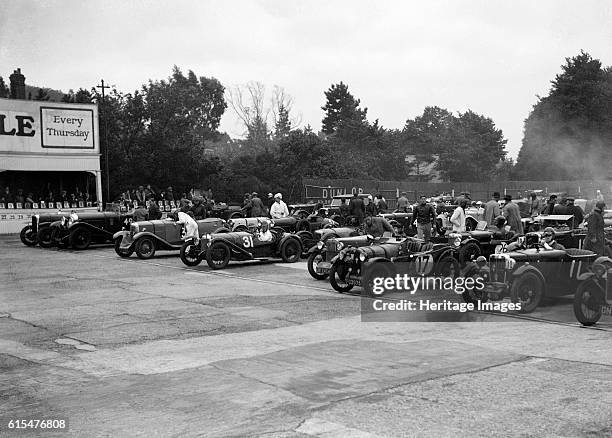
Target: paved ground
point(125, 347)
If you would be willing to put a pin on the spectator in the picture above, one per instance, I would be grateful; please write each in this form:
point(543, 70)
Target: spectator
point(535, 205)
point(370, 208)
point(513, 215)
point(550, 205)
point(50, 198)
point(424, 215)
point(561, 207)
point(7, 196)
point(140, 213)
point(576, 211)
point(246, 205)
point(279, 208)
point(491, 209)
point(170, 195)
point(149, 192)
point(198, 209)
point(376, 226)
point(381, 205)
point(30, 198)
point(402, 203)
point(458, 217)
point(140, 195)
point(19, 198)
point(154, 211)
point(270, 201)
point(357, 208)
point(344, 208)
point(595, 238)
point(257, 206)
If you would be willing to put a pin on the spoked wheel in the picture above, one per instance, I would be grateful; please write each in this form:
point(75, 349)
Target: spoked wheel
point(80, 238)
point(587, 303)
point(448, 267)
point(469, 252)
point(291, 250)
point(377, 270)
point(190, 254)
point(313, 260)
point(58, 239)
point(27, 236)
point(527, 290)
point(145, 248)
point(218, 255)
point(44, 238)
point(337, 274)
point(122, 252)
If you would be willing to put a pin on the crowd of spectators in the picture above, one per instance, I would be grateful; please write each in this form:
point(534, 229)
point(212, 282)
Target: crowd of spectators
point(19, 198)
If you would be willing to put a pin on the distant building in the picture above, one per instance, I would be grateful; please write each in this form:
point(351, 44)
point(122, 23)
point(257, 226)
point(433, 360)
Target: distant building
point(423, 168)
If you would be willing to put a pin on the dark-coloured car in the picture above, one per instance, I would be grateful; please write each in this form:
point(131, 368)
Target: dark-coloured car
point(80, 230)
point(530, 273)
point(146, 237)
point(226, 212)
point(219, 249)
point(402, 223)
point(31, 234)
point(333, 209)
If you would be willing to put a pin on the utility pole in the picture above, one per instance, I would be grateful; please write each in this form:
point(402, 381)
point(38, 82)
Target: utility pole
point(103, 87)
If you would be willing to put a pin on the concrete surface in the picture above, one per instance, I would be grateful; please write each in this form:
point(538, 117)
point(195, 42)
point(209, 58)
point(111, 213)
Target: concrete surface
point(125, 348)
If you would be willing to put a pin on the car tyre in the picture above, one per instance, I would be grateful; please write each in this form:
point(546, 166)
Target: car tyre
point(145, 248)
point(337, 273)
point(527, 290)
point(27, 236)
point(587, 303)
point(56, 239)
point(376, 270)
point(80, 238)
point(122, 252)
point(188, 254)
point(313, 260)
point(448, 266)
point(218, 255)
point(44, 237)
point(302, 225)
point(474, 296)
point(469, 252)
point(291, 250)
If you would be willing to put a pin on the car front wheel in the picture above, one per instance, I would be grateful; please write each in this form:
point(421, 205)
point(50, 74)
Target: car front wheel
point(44, 238)
point(291, 250)
point(122, 252)
point(190, 254)
point(27, 236)
point(80, 238)
point(313, 260)
point(218, 255)
point(145, 248)
point(587, 303)
point(337, 275)
point(527, 290)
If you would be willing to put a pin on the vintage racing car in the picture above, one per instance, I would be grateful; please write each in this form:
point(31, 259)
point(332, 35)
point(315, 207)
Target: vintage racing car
point(219, 249)
point(593, 297)
point(80, 230)
point(530, 272)
point(146, 237)
point(29, 234)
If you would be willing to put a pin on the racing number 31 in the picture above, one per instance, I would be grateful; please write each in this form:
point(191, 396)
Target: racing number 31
point(247, 241)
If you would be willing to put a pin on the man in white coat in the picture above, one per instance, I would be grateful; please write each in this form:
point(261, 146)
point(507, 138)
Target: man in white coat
point(279, 208)
point(191, 226)
point(458, 217)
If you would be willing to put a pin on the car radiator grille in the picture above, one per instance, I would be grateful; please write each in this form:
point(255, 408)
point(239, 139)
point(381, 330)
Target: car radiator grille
point(498, 270)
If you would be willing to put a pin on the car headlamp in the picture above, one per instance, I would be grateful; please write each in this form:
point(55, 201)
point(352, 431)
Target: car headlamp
point(362, 257)
point(457, 241)
point(481, 261)
point(339, 246)
point(320, 245)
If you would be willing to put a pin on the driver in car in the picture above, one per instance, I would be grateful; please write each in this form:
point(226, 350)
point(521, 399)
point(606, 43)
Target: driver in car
point(264, 234)
point(549, 239)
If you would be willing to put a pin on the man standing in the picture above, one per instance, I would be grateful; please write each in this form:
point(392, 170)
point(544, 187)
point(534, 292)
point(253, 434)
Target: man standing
point(381, 205)
point(279, 208)
point(425, 215)
point(513, 215)
point(257, 206)
point(491, 209)
point(535, 205)
point(141, 195)
point(344, 209)
point(246, 205)
point(198, 209)
point(458, 217)
point(576, 211)
point(561, 207)
point(402, 203)
point(595, 238)
point(357, 208)
point(550, 205)
point(154, 211)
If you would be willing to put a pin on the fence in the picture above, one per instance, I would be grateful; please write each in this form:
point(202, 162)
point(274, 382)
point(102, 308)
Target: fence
point(324, 189)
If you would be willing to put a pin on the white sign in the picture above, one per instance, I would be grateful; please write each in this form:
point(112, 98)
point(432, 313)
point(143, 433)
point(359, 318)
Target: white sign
point(67, 128)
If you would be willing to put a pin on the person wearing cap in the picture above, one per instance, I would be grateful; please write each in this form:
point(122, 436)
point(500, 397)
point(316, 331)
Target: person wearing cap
point(279, 208)
point(402, 203)
point(140, 213)
point(561, 207)
point(549, 239)
point(595, 238)
point(491, 209)
point(270, 201)
point(576, 211)
point(370, 207)
point(198, 209)
point(550, 205)
point(512, 214)
point(154, 211)
point(458, 217)
point(258, 209)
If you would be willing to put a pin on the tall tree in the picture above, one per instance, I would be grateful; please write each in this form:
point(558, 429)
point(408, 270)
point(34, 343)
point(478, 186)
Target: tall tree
point(42, 95)
point(342, 112)
point(4, 89)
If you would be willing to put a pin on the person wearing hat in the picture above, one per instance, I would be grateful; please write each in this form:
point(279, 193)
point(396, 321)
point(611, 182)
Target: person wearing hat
point(550, 205)
point(357, 208)
point(513, 215)
point(561, 207)
point(270, 201)
point(198, 209)
point(535, 205)
point(370, 207)
point(549, 239)
point(491, 209)
point(595, 238)
point(279, 208)
point(575, 211)
point(258, 209)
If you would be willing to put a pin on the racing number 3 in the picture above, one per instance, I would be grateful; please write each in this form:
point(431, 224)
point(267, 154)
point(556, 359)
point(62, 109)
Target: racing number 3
point(247, 241)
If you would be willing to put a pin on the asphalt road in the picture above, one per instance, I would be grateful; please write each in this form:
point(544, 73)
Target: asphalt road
point(125, 347)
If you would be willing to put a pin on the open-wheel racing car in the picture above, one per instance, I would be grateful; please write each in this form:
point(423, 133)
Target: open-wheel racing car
point(146, 237)
point(530, 272)
point(264, 243)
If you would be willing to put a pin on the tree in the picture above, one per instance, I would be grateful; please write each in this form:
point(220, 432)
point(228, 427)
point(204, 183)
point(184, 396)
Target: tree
point(81, 96)
point(569, 132)
point(42, 95)
point(248, 102)
point(342, 112)
point(4, 89)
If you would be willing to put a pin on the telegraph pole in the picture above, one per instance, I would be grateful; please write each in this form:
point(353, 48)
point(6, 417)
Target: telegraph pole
point(103, 87)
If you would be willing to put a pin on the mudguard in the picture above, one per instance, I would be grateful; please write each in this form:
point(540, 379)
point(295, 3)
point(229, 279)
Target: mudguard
point(315, 249)
point(373, 260)
point(88, 226)
point(164, 243)
point(528, 268)
point(289, 237)
point(602, 260)
point(119, 234)
point(585, 276)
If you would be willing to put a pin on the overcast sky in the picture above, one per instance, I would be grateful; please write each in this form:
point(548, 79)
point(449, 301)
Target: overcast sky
point(492, 57)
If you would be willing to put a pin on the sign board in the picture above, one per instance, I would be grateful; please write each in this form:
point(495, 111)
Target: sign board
point(48, 128)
